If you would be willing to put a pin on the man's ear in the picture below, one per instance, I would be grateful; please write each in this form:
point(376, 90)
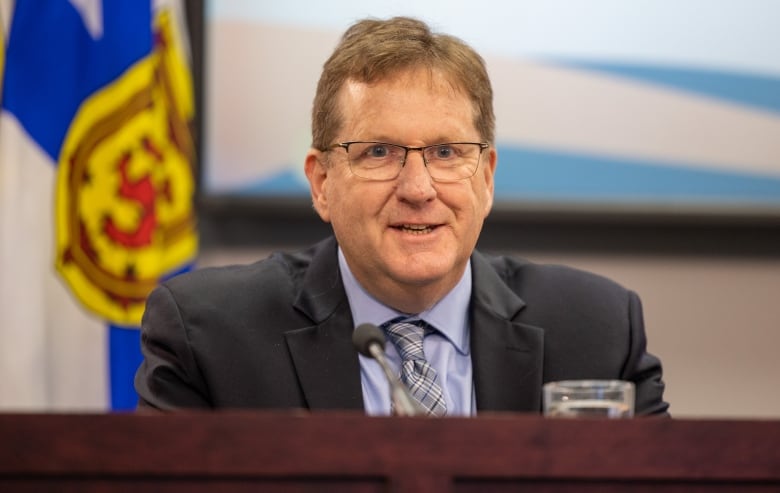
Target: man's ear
point(316, 168)
point(489, 174)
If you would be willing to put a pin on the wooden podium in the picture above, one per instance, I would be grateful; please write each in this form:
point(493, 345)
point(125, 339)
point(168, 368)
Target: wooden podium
point(345, 452)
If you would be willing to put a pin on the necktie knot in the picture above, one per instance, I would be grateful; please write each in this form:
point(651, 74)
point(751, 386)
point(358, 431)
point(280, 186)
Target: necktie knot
point(408, 339)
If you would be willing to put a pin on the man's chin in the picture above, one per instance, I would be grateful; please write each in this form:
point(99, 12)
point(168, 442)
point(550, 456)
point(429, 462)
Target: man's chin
point(421, 274)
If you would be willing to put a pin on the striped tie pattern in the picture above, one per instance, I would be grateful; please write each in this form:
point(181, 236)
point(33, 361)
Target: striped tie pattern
point(416, 373)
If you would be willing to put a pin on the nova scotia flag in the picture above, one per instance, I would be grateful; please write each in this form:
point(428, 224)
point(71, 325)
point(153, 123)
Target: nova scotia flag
point(96, 193)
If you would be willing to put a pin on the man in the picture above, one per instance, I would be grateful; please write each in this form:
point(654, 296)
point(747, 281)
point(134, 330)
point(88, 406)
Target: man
point(402, 166)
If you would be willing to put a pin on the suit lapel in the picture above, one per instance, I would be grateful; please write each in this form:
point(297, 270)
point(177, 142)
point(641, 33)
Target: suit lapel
point(507, 355)
point(327, 364)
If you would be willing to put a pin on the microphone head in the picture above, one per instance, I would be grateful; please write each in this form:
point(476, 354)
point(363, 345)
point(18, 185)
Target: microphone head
point(365, 335)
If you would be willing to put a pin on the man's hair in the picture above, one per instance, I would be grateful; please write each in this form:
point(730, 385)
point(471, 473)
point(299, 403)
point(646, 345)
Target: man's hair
point(376, 50)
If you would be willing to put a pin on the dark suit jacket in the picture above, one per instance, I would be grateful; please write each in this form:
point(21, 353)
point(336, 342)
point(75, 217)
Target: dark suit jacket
point(277, 334)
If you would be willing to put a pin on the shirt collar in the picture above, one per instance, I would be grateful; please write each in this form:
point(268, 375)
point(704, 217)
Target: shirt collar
point(449, 315)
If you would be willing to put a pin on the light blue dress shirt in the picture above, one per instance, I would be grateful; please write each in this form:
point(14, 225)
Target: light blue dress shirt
point(447, 350)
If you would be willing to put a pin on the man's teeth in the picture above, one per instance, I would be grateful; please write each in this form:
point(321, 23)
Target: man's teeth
point(416, 228)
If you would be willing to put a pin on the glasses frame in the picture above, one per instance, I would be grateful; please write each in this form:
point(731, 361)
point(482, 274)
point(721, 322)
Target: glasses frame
point(421, 149)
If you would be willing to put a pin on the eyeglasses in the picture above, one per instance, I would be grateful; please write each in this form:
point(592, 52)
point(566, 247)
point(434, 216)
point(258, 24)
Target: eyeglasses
point(450, 162)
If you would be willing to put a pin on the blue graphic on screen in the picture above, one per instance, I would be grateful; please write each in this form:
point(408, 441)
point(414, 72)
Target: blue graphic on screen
point(726, 86)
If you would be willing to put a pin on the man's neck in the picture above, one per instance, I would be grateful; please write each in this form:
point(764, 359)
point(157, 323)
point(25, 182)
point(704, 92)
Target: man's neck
point(404, 298)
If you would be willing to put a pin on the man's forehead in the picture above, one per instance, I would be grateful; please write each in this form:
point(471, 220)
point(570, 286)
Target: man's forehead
point(371, 110)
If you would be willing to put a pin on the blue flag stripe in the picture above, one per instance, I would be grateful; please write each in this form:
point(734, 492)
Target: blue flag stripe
point(124, 359)
point(63, 65)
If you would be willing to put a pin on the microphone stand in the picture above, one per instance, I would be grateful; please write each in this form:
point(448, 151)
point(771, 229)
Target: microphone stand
point(403, 404)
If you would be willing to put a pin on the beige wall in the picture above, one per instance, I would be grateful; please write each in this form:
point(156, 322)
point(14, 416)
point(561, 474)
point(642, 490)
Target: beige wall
point(715, 323)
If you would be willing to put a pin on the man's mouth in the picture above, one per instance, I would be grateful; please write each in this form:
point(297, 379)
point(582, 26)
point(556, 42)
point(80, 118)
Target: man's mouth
point(415, 229)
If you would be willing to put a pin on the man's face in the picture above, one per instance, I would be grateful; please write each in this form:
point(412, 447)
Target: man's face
point(407, 240)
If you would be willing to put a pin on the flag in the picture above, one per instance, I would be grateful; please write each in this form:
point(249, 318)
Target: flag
point(96, 193)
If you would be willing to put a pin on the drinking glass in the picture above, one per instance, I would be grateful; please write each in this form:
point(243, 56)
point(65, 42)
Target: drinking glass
point(589, 398)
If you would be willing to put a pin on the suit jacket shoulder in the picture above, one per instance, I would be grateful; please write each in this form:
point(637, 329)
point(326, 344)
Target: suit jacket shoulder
point(588, 326)
point(256, 335)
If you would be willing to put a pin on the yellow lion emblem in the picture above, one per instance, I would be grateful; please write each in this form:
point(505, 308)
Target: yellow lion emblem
point(125, 187)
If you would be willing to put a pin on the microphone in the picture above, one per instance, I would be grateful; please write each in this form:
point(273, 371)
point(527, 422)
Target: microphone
point(370, 341)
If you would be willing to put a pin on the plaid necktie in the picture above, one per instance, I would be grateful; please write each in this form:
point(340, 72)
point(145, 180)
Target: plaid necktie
point(418, 375)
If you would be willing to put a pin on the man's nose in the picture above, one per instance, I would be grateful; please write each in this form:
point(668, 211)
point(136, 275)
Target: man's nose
point(415, 182)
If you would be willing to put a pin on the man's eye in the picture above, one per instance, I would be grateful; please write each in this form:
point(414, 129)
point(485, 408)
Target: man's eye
point(444, 152)
point(378, 151)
